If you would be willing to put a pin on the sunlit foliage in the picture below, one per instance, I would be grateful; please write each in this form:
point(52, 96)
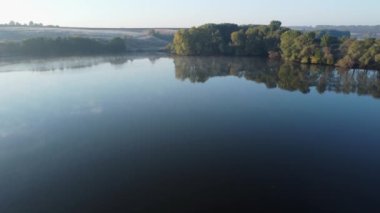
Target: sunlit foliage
point(329, 47)
point(228, 39)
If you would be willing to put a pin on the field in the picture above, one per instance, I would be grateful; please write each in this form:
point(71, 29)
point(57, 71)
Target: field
point(137, 39)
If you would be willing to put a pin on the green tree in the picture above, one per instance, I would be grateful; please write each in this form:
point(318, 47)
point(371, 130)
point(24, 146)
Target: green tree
point(275, 25)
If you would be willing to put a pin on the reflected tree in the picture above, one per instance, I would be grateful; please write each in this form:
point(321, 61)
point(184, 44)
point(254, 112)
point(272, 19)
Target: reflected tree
point(274, 74)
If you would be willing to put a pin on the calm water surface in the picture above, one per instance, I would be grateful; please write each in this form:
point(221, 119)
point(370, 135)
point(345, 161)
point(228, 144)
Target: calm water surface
point(160, 134)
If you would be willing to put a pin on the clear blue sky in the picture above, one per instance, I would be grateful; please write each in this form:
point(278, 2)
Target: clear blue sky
point(185, 13)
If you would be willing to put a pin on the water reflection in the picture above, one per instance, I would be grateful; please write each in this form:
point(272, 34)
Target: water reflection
point(274, 74)
point(70, 63)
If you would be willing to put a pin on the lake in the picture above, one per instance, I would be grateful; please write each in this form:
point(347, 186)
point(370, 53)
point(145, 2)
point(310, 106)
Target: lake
point(152, 133)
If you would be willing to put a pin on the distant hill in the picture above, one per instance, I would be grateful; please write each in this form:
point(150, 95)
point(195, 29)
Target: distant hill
point(357, 31)
point(138, 38)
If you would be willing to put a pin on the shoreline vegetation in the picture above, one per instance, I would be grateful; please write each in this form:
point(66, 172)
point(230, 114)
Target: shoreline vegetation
point(78, 46)
point(324, 47)
point(62, 47)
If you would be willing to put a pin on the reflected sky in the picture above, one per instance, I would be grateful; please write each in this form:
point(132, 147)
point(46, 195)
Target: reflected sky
point(187, 135)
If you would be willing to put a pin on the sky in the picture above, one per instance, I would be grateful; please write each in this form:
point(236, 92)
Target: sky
point(187, 13)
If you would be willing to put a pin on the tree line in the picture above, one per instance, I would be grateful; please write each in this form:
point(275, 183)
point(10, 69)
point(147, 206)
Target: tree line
point(228, 39)
point(308, 48)
point(62, 47)
point(30, 24)
point(327, 47)
point(359, 31)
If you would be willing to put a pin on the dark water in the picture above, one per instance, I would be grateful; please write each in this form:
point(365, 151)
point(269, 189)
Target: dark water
point(139, 134)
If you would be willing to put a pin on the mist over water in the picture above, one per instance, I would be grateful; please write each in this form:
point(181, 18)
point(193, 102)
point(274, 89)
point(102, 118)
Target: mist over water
point(151, 133)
